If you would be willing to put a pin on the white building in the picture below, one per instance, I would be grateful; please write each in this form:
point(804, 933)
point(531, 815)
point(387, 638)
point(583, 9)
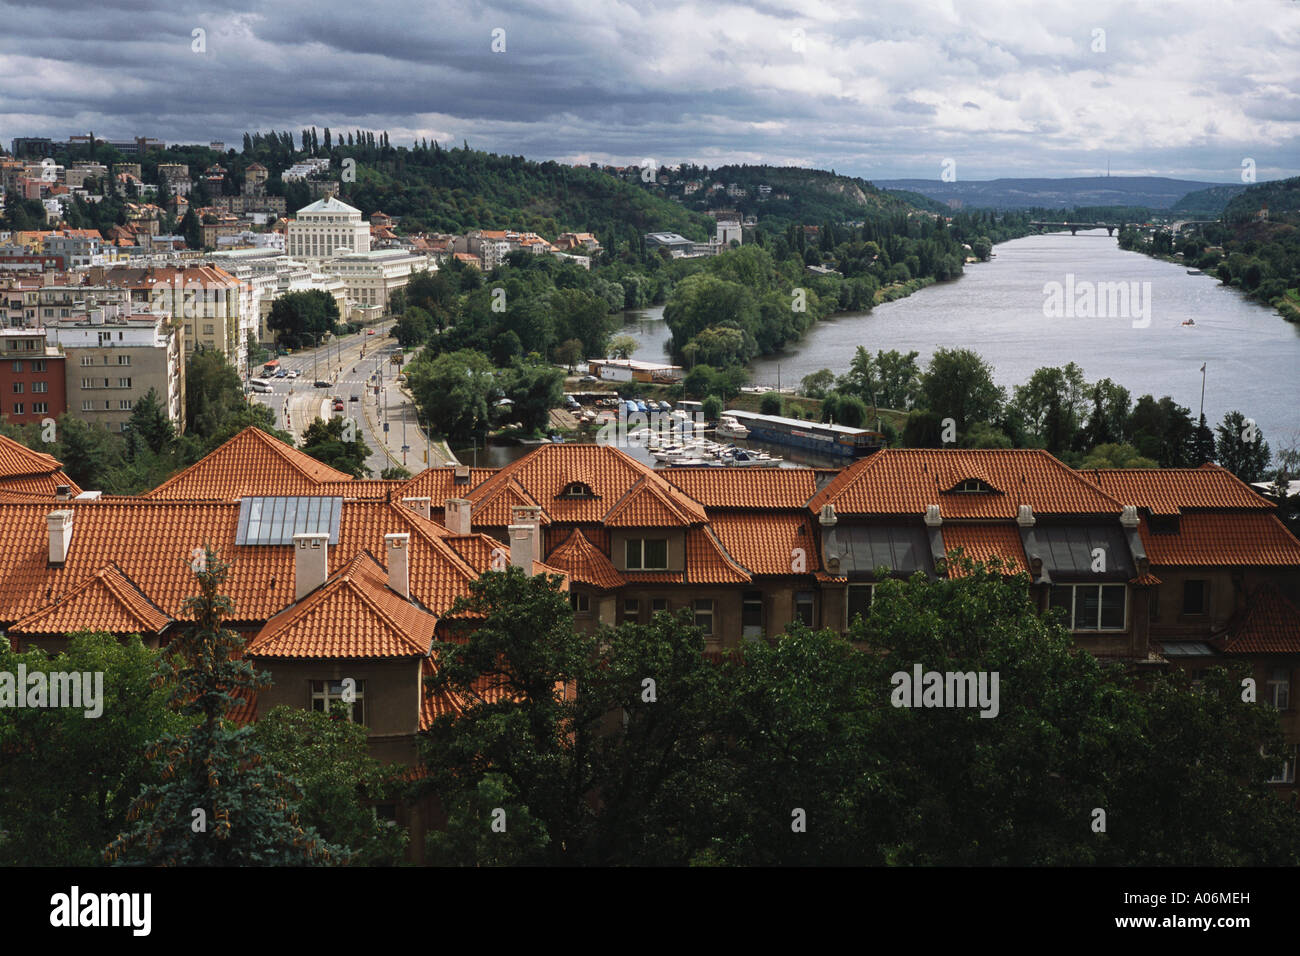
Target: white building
point(324, 228)
point(299, 171)
point(728, 230)
point(371, 277)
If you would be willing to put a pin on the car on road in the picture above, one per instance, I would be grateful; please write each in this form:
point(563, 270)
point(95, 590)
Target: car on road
point(320, 383)
point(588, 378)
point(370, 331)
point(281, 373)
point(355, 398)
point(640, 406)
point(295, 373)
point(338, 405)
point(257, 385)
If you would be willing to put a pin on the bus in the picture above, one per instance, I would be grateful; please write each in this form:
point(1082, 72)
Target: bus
point(270, 368)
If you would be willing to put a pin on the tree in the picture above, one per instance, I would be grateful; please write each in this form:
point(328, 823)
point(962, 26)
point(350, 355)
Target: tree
point(569, 353)
point(1241, 447)
point(336, 442)
point(958, 384)
point(218, 802)
point(327, 755)
point(771, 403)
point(818, 383)
point(1116, 456)
point(842, 409)
point(1052, 405)
point(454, 391)
point(192, 229)
point(88, 452)
point(981, 248)
point(1162, 431)
point(1202, 443)
point(711, 408)
point(66, 779)
point(303, 318)
point(414, 328)
point(150, 425)
point(533, 391)
point(622, 346)
point(394, 473)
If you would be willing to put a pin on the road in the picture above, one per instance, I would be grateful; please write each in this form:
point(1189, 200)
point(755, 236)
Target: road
point(355, 365)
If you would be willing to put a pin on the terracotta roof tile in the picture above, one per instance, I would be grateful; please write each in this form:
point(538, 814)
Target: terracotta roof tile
point(1271, 625)
point(1167, 491)
point(24, 470)
point(707, 561)
point(1206, 539)
point(906, 480)
point(353, 615)
point(748, 488)
point(585, 563)
point(439, 484)
point(765, 544)
point(105, 601)
point(980, 542)
point(648, 504)
point(250, 463)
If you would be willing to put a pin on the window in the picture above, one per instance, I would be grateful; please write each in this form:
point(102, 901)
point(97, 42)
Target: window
point(858, 600)
point(1195, 596)
point(1279, 688)
point(38, 365)
point(803, 607)
point(18, 366)
point(87, 360)
point(647, 554)
point(704, 615)
point(40, 408)
point(40, 387)
point(581, 603)
point(631, 610)
point(124, 360)
point(1091, 607)
point(658, 604)
point(125, 404)
point(87, 405)
point(18, 388)
point(123, 383)
point(18, 408)
point(325, 694)
point(577, 489)
point(751, 614)
point(1286, 774)
point(972, 485)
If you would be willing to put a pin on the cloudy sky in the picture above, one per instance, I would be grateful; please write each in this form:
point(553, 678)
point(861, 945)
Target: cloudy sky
point(1185, 88)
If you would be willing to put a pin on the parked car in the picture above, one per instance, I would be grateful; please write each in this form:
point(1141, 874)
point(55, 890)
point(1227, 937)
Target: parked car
point(640, 406)
point(588, 378)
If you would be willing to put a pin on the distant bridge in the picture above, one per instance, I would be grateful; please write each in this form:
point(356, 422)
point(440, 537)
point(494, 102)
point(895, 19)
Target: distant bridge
point(1074, 227)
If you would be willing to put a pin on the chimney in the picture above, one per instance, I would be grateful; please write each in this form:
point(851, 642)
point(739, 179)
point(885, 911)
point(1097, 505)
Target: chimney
point(310, 561)
point(523, 546)
point(1129, 516)
point(60, 524)
point(420, 506)
point(460, 474)
point(1026, 517)
point(827, 518)
point(399, 565)
point(63, 492)
point(932, 517)
point(526, 514)
point(455, 515)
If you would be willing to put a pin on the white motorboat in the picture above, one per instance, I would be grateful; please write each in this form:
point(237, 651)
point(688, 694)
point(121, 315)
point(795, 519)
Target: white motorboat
point(728, 427)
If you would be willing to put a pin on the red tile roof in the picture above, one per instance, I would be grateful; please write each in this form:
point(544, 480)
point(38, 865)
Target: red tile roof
point(767, 543)
point(353, 615)
point(1271, 625)
point(648, 504)
point(585, 563)
point(1206, 539)
point(105, 601)
point(980, 542)
point(1167, 491)
point(24, 470)
point(707, 561)
point(763, 488)
point(251, 463)
point(906, 480)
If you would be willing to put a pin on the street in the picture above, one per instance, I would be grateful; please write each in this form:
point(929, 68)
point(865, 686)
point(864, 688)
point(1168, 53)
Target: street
point(296, 402)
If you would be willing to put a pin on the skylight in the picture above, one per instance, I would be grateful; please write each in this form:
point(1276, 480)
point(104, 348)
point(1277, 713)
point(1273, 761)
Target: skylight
point(275, 520)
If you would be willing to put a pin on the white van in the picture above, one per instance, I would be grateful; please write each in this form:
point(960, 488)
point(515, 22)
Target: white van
point(258, 385)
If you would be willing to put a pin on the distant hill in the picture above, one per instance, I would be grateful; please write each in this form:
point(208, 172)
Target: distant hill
point(1156, 192)
point(815, 195)
point(1282, 196)
point(1207, 203)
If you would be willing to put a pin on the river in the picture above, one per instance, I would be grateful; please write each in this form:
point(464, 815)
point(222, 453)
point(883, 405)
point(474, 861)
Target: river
point(997, 308)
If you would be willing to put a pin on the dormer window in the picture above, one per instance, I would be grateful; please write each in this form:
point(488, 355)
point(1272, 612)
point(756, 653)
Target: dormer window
point(577, 489)
point(972, 486)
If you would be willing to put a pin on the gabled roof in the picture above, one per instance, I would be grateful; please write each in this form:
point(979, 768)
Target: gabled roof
point(250, 463)
point(439, 484)
point(648, 504)
point(104, 601)
point(1271, 625)
point(585, 563)
point(545, 473)
point(707, 561)
point(1167, 491)
point(763, 489)
point(22, 469)
point(353, 615)
point(1206, 539)
point(906, 480)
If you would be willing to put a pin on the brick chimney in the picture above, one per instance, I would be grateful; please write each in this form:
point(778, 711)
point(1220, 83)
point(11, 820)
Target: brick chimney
point(526, 514)
point(421, 506)
point(62, 492)
point(456, 515)
point(399, 565)
point(310, 561)
point(523, 546)
point(60, 525)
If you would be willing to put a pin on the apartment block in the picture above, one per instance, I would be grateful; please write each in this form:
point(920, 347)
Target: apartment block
point(323, 228)
point(32, 382)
